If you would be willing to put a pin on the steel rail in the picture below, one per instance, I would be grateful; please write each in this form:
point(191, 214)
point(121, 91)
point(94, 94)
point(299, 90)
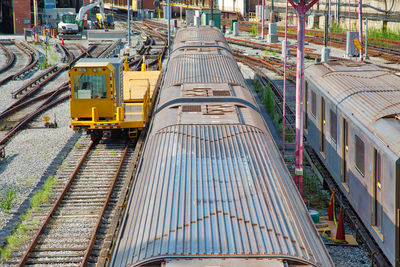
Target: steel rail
point(68, 54)
point(30, 117)
point(388, 54)
point(31, 101)
point(30, 60)
point(50, 214)
point(10, 58)
point(17, 105)
point(110, 191)
point(33, 60)
point(34, 81)
point(26, 96)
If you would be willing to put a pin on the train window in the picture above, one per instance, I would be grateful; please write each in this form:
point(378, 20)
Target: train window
point(333, 125)
point(90, 86)
point(314, 103)
point(359, 155)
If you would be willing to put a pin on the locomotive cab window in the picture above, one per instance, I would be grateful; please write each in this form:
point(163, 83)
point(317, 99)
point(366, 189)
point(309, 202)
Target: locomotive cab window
point(359, 155)
point(90, 87)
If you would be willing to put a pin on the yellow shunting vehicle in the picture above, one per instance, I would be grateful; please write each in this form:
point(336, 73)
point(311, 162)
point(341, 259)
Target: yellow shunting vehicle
point(105, 98)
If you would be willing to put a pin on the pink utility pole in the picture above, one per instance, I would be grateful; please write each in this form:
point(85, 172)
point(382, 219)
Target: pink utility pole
point(301, 7)
point(360, 27)
point(262, 19)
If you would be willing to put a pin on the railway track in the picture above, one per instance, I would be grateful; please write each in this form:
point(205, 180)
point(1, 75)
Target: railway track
point(16, 116)
point(20, 64)
point(338, 40)
point(10, 56)
point(67, 234)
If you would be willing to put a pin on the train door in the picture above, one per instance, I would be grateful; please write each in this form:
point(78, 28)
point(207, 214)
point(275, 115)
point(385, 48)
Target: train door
point(322, 132)
point(345, 150)
point(377, 186)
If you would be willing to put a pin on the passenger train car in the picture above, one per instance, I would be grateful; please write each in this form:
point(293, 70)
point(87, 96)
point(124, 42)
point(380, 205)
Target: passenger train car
point(211, 187)
point(353, 123)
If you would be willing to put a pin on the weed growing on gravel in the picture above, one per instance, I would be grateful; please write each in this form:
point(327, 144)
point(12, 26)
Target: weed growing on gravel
point(268, 100)
point(29, 181)
point(8, 201)
point(21, 233)
point(18, 236)
point(63, 164)
point(274, 53)
point(313, 193)
point(266, 51)
point(78, 145)
point(42, 196)
point(113, 153)
point(289, 134)
point(257, 85)
point(253, 30)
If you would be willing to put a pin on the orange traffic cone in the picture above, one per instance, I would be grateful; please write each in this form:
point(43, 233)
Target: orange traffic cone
point(340, 236)
point(62, 41)
point(331, 206)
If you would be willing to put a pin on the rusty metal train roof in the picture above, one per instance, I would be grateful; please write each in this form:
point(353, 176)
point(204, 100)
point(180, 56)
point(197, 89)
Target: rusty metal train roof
point(365, 92)
point(203, 68)
point(199, 33)
point(215, 191)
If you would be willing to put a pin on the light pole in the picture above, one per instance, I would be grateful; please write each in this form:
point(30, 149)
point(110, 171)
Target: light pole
point(169, 24)
point(360, 27)
point(129, 22)
point(301, 7)
point(262, 19)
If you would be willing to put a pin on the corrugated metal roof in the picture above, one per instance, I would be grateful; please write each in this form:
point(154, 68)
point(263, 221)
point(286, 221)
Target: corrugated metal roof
point(362, 90)
point(199, 33)
point(215, 191)
point(203, 69)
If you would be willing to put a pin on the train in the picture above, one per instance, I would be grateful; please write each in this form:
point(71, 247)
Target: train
point(211, 188)
point(106, 98)
point(352, 122)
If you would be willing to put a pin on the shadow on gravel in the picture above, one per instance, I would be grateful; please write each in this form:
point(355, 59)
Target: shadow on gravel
point(7, 160)
point(50, 171)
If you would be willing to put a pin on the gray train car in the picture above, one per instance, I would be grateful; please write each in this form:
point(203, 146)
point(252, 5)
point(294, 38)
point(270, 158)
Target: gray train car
point(353, 123)
point(211, 187)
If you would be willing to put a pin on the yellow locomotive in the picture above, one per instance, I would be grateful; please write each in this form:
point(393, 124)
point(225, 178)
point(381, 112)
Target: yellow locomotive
point(105, 98)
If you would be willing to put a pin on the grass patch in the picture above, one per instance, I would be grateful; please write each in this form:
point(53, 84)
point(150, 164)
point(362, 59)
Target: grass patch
point(253, 30)
point(383, 34)
point(20, 234)
point(29, 181)
point(42, 196)
point(78, 145)
point(8, 200)
point(313, 193)
point(63, 164)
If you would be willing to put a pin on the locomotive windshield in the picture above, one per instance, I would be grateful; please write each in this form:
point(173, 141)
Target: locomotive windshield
point(90, 86)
